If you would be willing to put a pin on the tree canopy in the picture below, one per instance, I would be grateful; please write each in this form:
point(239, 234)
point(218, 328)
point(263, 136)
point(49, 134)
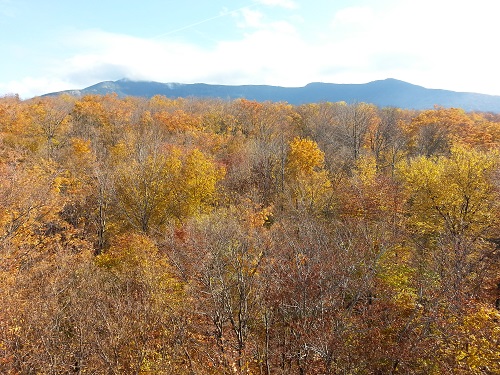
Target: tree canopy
point(201, 236)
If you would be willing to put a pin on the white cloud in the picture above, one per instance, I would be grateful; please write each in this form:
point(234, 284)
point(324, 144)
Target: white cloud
point(440, 44)
point(116, 55)
point(419, 42)
point(29, 87)
point(265, 54)
point(357, 16)
point(288, 4)
point(251, 18)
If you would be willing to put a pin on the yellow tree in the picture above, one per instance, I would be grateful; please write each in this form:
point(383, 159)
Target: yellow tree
point(451, 194)
point(178, 121)
point(89, 117)
point(473, 348)
point(163, 185)
point(50, 122)
point(306, 175)
point(144, 188)
point(482, 132)
point(14, 121)
point(196, 190)
point(432, 132)
point(452, 212)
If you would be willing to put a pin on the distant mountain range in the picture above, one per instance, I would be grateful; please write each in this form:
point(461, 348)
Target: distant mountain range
point(384, 93)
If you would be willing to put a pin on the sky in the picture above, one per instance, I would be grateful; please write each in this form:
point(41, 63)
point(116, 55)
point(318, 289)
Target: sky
point(53, 45)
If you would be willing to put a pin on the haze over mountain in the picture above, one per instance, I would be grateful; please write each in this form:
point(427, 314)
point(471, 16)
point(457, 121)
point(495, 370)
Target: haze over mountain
point(383, 93)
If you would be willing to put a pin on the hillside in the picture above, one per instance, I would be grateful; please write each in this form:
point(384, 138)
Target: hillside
point(384, 93)
point(208, 237)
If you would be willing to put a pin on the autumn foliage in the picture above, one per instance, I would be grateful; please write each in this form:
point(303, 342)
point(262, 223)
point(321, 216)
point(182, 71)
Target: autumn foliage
point(189, 236)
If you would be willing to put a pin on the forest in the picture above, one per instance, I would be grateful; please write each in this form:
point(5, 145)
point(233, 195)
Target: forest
point(203, 236)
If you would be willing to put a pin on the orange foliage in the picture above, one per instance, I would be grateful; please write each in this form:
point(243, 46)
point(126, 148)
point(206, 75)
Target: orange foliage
point(194, 236)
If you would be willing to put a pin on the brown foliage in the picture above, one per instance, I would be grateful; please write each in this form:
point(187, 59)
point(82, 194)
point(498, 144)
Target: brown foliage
point(196, 236)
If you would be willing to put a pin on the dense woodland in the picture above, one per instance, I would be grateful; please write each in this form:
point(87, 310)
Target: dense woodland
point(190, 236)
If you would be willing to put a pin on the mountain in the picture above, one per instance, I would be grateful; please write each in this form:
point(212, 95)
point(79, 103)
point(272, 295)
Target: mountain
point(383, 93)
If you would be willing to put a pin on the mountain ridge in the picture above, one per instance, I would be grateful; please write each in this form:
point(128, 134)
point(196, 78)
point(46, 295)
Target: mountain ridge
point(388, 92)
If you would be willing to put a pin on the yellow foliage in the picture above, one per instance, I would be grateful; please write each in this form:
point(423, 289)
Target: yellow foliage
point(166, 186)
point(62, 182)
point(134, 256)
point(178, 121)
point(159, 102)
point(304, 158)
point(119, 152)
point(128, 252)
point(395, 271)
point(452, 194)
point(366, 168)
point(145, 188)
point(475, 347)
point(90, 110)
point(263, 217)
point(199, 178)
point(306, 175)
point(80, 146)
